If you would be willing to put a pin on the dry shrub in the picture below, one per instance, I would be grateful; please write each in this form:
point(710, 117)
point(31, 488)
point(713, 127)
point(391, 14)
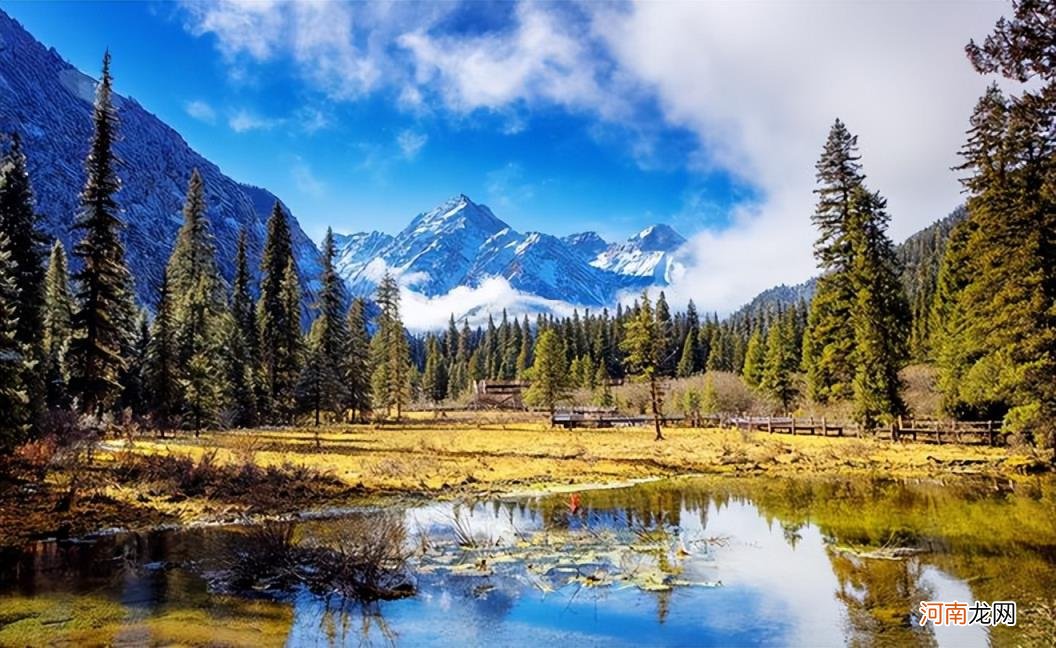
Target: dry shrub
point(920, 390)
point(36, 458)
point(209, 477)
point(732, 395)
point(362, 558)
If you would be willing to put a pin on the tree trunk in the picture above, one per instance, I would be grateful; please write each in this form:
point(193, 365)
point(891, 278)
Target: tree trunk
point(656, 408)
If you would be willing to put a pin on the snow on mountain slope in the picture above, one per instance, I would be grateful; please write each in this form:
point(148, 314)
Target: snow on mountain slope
point(648, 255)
point(49, 103)
point(462, 244)
point(356, 251)
point(586, 244)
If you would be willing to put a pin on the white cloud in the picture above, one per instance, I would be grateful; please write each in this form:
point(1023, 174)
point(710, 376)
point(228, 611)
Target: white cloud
point(341, 48)
point(760, 83)
point(243, 120)
point(542, 58)
point(305, 179)
point(411, 143)
point(201, 111)
point(422, 313)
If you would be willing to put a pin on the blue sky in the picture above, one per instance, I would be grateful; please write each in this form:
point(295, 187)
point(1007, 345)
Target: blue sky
point(560, 116)
point(368, 162)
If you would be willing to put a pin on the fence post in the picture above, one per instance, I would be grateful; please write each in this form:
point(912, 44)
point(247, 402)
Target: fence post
point(770, 424)
point(824, 427)
point(812, 426)
point(990, 432)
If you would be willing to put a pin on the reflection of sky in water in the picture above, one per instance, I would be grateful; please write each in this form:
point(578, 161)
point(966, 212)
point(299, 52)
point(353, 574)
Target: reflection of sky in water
point(771, 592)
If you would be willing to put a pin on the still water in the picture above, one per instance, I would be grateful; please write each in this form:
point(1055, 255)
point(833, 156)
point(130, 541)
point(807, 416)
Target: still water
point(709, 561)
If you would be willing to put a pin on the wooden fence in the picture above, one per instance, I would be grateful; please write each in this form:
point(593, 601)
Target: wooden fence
point(924, 430)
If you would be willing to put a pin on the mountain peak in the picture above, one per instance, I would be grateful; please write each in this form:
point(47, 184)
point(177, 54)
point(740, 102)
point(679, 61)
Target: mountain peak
point(658, 238)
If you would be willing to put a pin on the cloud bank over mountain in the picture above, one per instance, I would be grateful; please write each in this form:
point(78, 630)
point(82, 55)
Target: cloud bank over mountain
point(756, 84)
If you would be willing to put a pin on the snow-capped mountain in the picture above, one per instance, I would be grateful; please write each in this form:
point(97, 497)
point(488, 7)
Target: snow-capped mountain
point(48, 103)
point(586, 244)
point(462, 243)
point(648, 255)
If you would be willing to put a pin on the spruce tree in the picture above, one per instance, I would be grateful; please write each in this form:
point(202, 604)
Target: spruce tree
point(645, 345)
point(754, 359)
point(162, 373)
point(134, 388)
point(602, 396)
point(278, 343)
point(291, 343)
point(998, 355)
point(780, 363)
point(357, 366)
point(434, 378)
point(101, 324)
point(549, 373)
point(13, 397)
point(198, 304)
point(688, 360)
point(390, 379)
point(829, 346)
point(241, 346)
point(20, 222)
point(326, 364)
point(880, 315)
point(58, 314)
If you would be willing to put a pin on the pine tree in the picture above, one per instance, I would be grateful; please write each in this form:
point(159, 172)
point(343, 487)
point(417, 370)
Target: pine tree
point(102, 321)
point(19, 221)
point(880, 315)
point(997, 350)
point(198, 300)
point(688, 360)
point(524, 354)
point(781, 362)
point(434, 378)
point(390, 358)
point(829, 346)
point(162, 373)
point(290, 340)
point(58, 313)
point(602, 387)
point(329, 340)
point(357, 377)
point(665, 327)
point(754, 359)
point(134, 388)
point(279, 334)
point(549, 373)
point(645, 345)
point(241, 346)
point(239, 397)
point(13, 397)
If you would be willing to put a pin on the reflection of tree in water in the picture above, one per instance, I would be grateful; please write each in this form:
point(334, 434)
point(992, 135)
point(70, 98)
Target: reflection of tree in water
point(880, 596)
point(342, 622)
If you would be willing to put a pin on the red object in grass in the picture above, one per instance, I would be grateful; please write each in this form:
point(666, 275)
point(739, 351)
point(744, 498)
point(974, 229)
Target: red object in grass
point(573, 503)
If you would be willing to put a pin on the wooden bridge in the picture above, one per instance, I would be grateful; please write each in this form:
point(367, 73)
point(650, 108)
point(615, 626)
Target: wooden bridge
point(602, 417)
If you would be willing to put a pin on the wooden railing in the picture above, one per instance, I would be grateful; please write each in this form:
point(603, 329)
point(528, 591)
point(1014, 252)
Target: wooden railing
point(925, 430)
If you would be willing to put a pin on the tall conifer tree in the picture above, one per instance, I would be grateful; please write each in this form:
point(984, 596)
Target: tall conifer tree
point(19, 221)
point(102, 321)
point(58, 313)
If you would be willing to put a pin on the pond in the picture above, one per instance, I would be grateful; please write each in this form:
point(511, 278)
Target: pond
point(695, 561)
